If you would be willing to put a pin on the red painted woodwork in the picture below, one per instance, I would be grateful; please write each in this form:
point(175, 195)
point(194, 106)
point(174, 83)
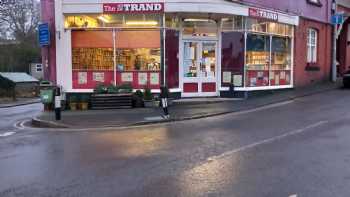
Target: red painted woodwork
point(171, 58)
point(109, 79)
point(190, 87)
point(232, 58)
point(208, 87)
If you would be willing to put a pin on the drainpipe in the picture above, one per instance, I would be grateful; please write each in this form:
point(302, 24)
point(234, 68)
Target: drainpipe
point(334, 49)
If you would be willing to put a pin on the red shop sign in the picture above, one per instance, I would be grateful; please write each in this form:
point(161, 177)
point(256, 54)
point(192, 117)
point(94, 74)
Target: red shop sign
point(124, 8)
point(257, 13)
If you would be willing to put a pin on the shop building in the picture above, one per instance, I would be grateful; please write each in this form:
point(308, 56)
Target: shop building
point(196, 48)
point(343, 37)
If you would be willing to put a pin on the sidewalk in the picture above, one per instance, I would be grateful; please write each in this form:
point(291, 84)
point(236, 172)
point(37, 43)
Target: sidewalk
point(20, 101)
point(181, 111)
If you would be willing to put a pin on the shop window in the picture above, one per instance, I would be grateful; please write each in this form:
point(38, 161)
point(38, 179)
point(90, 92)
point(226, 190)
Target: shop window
point(312, 36)
point(138, 51)
point(235, 23)
point(280, 71)
point(265, 26)
point(172, 21)
point(92, 58)
point(199, 27)
point(257, 60)
point(112, 20)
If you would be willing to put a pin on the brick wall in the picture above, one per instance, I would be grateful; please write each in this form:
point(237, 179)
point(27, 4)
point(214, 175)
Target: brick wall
point(322, 69)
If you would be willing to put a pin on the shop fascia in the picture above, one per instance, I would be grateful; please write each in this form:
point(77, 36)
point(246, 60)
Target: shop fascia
point(133, 7)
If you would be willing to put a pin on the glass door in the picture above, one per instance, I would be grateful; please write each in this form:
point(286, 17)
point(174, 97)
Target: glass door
point(199, 68)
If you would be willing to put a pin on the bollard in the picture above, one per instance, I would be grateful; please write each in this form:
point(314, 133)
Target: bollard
point(164, 98)
point(58, 103)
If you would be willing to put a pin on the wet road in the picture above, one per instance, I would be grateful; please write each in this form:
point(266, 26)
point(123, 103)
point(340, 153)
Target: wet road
point(12, 115)
point(299, 148)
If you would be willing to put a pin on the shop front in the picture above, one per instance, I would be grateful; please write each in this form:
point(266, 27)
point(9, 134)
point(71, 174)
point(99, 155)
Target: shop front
point(196, 49)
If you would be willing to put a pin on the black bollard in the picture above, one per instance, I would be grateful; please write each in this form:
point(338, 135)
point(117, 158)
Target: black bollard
point(164, 99)
point(58, 103)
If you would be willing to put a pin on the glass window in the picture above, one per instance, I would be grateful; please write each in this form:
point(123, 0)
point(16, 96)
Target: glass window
point(264, 26)
point(199, 27)
point(257, 25)
point(208, 62)
point(112, 20)
point(190, 59)
point(257, 60)
point(280, 73)
point(141, 59)
point(312, 46)
point(172, 21)
point(235, 23)
point(39, 68)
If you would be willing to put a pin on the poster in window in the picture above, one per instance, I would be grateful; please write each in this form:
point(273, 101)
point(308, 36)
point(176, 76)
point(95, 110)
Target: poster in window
point(154, 79)
point(253, 81)
point(287, 78)
point(142, 77)
point(98, 76)
point(226, 77)
point(283, 75)
point(127, 77)
point(82, 78)
point(277, 80)
point(237, 80)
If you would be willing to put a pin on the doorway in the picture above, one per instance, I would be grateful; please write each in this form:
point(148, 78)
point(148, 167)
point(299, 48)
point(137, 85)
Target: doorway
point(199, 68)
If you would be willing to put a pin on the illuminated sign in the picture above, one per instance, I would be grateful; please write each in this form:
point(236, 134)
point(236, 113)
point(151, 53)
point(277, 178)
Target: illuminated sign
point(133, 8)
point(258, 13)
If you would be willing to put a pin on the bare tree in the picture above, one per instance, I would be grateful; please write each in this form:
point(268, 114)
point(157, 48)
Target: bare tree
point(19, 18)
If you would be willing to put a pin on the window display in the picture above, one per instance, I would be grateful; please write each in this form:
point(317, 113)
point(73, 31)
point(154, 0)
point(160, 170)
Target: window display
point(134, 58)
point(257, 60)
point(138, 59)
point(280, 73)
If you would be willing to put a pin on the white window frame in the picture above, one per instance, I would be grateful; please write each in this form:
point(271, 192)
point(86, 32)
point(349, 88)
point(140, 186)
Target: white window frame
point(39, 67)
point(312, 46)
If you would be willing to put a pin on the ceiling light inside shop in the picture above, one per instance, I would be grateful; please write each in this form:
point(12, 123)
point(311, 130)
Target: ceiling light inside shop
point(197, 20)
point(103, 18)
point(141, 23)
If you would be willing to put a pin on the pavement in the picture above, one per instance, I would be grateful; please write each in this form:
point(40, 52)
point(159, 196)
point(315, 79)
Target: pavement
point(184, 109)
point(296, 149)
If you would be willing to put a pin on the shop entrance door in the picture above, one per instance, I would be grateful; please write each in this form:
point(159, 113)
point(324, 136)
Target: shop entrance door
point(199, 68)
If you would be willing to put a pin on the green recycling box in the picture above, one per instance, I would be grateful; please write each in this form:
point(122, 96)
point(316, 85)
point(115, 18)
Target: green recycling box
point(46, 96)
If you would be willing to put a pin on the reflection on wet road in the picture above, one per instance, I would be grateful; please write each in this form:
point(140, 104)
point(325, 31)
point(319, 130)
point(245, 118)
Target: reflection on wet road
point(299, 148)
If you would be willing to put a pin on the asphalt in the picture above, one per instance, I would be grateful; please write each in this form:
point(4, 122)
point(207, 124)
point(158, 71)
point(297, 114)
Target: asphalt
point(294, 148)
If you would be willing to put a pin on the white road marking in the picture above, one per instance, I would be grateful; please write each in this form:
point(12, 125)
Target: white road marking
point(7, 134)
point(294, 195)
point(269, 140)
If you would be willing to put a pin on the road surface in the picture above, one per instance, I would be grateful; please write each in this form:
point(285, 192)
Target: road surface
point(294, 149)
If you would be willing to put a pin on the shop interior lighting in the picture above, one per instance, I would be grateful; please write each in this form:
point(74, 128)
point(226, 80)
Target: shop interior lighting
point(103, 18)
point(197, 20)
point(141, 23)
